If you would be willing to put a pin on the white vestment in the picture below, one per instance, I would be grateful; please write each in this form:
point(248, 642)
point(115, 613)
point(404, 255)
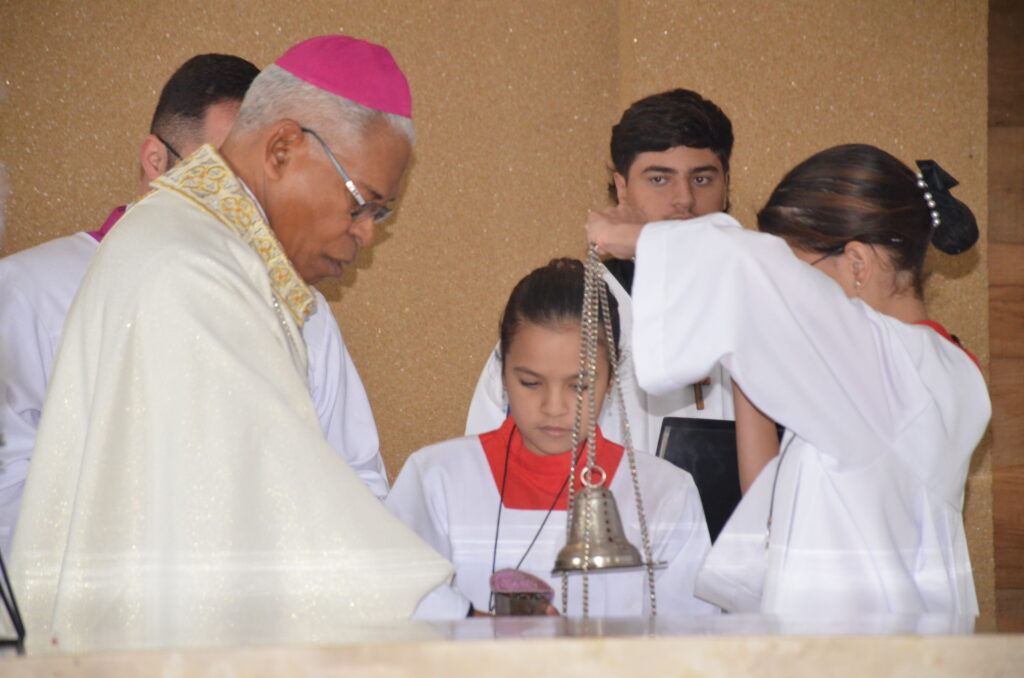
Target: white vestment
point(37, 286)
point(645, 411)
point(181, 491)
point(881, 417)
point(447, 493)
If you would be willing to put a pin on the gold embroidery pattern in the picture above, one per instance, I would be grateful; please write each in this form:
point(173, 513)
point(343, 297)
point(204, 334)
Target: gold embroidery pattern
point(205, 179)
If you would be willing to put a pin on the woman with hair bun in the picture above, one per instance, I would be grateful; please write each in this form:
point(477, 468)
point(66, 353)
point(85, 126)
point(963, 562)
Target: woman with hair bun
point(821, 322)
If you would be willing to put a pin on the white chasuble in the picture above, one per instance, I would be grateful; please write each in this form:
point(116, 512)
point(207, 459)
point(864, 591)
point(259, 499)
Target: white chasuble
point(449, 494)
point(37, 287)
point(865, 501)
point(181, 490)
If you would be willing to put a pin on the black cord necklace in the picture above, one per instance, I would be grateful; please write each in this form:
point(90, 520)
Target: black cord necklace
point(501, 502)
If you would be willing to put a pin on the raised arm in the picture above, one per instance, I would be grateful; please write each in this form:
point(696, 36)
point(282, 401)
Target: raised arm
point(820, 364)
point(757, 440)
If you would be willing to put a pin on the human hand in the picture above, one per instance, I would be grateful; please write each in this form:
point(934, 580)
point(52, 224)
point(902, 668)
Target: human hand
point(615, 230)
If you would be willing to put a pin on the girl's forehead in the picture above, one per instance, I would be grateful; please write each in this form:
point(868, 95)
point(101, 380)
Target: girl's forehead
point(531, 336)
point(544, 348)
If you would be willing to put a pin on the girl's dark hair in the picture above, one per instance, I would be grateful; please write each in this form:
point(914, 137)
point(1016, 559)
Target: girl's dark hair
point(861, 193)
point(550, 296)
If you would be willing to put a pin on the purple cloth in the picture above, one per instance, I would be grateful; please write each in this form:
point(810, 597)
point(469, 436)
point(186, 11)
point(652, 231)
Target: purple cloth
point(108, 224)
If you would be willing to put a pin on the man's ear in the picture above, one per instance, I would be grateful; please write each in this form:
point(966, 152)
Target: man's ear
point(285, 138)
point(153, 157)
point(725, 197)
point(620, 187)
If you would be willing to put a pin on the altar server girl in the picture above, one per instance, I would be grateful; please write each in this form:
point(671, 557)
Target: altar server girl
point(821, 321)
point(498, 500)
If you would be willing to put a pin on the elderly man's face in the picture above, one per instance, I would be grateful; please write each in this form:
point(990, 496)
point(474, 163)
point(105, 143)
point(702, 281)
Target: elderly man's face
point(311, 211)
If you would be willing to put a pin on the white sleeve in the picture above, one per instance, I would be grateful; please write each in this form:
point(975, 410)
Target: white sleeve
point(340, 399)
point(489, 407)
point(443, 603)
point(421, 504)
point(28, 350)
point(824, 366)
point(681, 533)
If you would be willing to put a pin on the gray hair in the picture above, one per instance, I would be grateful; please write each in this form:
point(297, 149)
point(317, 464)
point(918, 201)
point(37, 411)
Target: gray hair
point(277, 94)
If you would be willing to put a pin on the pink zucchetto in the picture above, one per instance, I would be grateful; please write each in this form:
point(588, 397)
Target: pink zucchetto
point(351, 68)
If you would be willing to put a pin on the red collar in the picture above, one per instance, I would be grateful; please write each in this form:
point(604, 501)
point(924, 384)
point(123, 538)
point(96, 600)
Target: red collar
point(108, 224)
point(534, 479)
point(949, 337)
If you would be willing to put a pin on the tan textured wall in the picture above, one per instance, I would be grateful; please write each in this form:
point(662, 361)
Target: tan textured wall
point(513, 104)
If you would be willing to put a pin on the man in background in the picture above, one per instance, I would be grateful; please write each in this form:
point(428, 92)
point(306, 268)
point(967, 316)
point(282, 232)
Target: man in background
point(670, 153)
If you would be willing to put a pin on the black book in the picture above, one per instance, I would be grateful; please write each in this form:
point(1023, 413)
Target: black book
point(623, 271)
point(706, 449)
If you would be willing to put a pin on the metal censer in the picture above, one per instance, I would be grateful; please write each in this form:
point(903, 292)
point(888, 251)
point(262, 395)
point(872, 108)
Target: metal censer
point(595, 538)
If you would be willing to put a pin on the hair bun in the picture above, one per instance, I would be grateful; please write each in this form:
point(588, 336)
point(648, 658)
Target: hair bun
point(955, 229)
point(958, 230)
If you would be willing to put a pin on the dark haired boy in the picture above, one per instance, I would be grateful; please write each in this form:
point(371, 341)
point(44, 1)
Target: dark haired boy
point(670, 155)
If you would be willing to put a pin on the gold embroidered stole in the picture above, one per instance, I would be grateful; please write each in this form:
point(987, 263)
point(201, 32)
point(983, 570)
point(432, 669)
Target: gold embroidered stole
point(205, 179)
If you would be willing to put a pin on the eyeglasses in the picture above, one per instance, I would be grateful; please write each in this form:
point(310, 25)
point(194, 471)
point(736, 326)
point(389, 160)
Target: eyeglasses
point(374, 210)
point(169, 147)
point(831, 253)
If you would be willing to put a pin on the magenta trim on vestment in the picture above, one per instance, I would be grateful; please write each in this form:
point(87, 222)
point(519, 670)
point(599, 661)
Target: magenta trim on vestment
point(108, 224)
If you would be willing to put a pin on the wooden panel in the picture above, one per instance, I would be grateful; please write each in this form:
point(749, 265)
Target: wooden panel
point(1010, 603)
point(1005, 264)
point(1008, 484)
point(1006, 184)
point(1006, 304)
point(1006, 66)
point(1005, 386)
point(1006, 321)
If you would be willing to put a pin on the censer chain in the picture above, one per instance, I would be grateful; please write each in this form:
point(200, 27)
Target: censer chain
point(595, 299)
